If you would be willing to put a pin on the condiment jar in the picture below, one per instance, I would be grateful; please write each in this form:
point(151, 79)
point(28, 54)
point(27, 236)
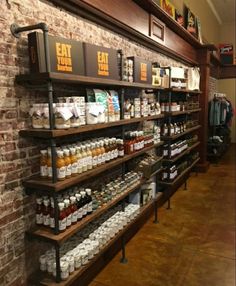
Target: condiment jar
point(67, 162)
point(64, 270)
point(74, 162)
point(62, 217)
point(84, 257)
point(43, 262)
point(61, 168)
point(36, 113)
point(39, 211)
point(43, 164)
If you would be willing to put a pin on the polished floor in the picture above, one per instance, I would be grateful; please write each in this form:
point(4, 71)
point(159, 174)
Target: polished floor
point(194, 242)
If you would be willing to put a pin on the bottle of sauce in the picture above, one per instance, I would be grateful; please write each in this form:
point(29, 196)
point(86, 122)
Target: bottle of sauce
point(89, 156)
point(74, 215)
point(46, 212)
point(107, 150)
point(84, 159)
point(103, 152)
point(115, 148)
point(89, 201)
point(68, 212)
point(94, 155)
point(62, 217)
point(80, 210)
point(74, 162)
point(79, 160)
point(99, 153)
point(84, 203)
point(67, 162)
point(43, 164)
point(49, 163)
point(39, 211)
point(120, 144)
point(52, 214)
point(61, 168)
point(165, 130)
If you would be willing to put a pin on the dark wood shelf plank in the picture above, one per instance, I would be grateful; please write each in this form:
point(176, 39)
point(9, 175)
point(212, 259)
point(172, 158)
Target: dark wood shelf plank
point(171, 184)
point(38, 183)
point(46, 280)
point(174, 89)
point(181, 154)
point(55, 133)
point(175, 113)
point(173, 137)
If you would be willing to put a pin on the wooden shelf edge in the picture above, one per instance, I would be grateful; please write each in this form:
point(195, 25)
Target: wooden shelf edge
point(41, 280)
point(164, 138)
point(44, 133)
point(181, 154)
point(37, 183)
point(175, 113)
point(180, 175)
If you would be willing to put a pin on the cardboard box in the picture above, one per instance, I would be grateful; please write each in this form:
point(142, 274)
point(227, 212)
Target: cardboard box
point(66, 56)
point(101, 62)
point(142, 70)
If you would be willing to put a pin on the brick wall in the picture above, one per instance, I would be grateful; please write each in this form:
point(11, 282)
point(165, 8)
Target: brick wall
point(213, 87)
point(19, 157)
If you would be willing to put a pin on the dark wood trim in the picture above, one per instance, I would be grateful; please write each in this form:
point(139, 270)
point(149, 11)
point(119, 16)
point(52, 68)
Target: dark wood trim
point(227, 71)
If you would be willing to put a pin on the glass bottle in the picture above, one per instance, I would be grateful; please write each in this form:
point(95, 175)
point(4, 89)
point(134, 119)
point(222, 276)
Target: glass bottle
point(89, 201)
point(52, 220)
point(94, 155)
point(89, 156)
point(68, 212)
point(120, 144)
point(67, 162)
point(74, 162)
point(79, 160)
point(62, 217)
point(60, 164)
point(80, 210)
point(84, 159)
point(39, 211)
point(84, 203)
point(46, 212)
point(49, 163)
point(99, 152)
point(103, 151)
point(107, 154)
point(43, 164)
point(74, 211)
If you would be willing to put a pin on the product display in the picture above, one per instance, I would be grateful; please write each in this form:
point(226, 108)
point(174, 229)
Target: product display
point(172, 150)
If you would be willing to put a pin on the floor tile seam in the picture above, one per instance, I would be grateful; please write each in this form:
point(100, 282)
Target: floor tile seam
point(216, 255)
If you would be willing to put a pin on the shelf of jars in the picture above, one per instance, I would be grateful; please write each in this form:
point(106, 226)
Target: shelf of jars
point(176, 158)
point(39, 183)
point(43, 78)
point(47, 133)
point(45, 279)
point(180, 176)
point(173, 137)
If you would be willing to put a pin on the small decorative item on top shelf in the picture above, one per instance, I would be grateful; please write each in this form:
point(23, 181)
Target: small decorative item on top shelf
point(142, 70)
point(168, 7)
point(190, 22)
point(179, 18)
point(226, 53)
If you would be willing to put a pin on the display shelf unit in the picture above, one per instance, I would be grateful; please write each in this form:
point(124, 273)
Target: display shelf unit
point(176, 158)
point(173, 137)
point(55, 133)
point(38, 183)
point(46, 280)
point(180, 176)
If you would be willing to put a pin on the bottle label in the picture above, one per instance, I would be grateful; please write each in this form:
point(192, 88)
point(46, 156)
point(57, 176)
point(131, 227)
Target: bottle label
point(85, 162)
point(95, 161)
point(62, 224)
point(90, 207)
point(46, 219)
point(121, 153)
point(44, 171)
point(112, 154)
point(68, 220)
point(50, 172)
point(74, 168)
point(80, 213)
point(103, 157)
point(165, 153)
point(100, 159)
point(85, 210)
point(116, 153)
point(68, 170)
point(90, 161)
point(61, 172)
point(52, 222)
point(74, 216)
point(39, 218)
point(132, 147)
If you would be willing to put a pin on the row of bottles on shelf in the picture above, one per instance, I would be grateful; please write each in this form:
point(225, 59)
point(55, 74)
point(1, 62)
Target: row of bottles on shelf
point(177, 127)
point(84, 245)
point(77, 203)
point(179, 106)
point(174, 149)
point(172, 171)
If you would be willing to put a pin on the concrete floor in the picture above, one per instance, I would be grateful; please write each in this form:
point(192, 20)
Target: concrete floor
point(194, 242)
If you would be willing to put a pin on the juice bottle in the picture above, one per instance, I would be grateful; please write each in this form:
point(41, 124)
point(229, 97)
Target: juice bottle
point(74, 162)
point(67, 162)
point(90, 156)
point(61, 168)
point(49, 163)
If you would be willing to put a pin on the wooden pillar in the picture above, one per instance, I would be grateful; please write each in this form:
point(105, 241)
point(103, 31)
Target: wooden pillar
point(204, 64)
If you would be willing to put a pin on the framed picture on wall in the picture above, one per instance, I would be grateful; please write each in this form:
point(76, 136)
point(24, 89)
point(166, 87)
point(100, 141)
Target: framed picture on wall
point(179, 18)
point(190, 21)
point(168, 7)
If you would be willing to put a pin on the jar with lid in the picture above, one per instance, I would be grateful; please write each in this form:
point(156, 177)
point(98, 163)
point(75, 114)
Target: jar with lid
point(67, 162)
point(62, 116)
point(46, 212)
point(43, 164)
point(39, 211)
point(45, 116)
point(68, 212)
point(43, 262)
point(74, 162)
point(60, 164)
point(74, 211)
point(74, 120)
point(84, 257)
point(64, 265)
point(36, 113)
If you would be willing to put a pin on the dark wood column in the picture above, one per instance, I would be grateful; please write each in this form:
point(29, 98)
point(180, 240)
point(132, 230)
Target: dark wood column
point(204, 64)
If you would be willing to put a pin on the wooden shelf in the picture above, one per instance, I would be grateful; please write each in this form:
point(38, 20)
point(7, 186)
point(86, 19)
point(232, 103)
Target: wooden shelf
point(55, 133)
point(46, 280)
point(43, 78)
point(173, 137)
point(181, 154)
point(38, 183)
point(174, 89)
point(170, 184)
point(175, 113)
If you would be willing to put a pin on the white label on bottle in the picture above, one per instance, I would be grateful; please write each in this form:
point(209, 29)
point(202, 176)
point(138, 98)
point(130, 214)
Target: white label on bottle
point(95, 161)
point(165, 175)
point(44, 171)
point(116, 153)
point(50, 172)
point(90, 207)
point(165, 153)
point(103, 157)
point(39, 218)
point(85, 210)
point(61, 172)
point(68, 220)
point(62, 224)
point(46, 219)
point(80, 166)
point(68, 170)
point(108, 158)
point(80, 213)
point(100, 159)
point(85, 162)
point(112, 154)
point(74, 217)
point(90, 161)
point(172, 175)
point(121, 153)
point(52, 222)
point(132, 147)
point(74, 168)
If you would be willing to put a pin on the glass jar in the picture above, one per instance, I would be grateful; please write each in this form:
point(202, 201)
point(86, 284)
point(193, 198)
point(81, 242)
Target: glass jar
point(60, 164)
point(39, 211)
point(67, 162)
point(74, 162)
point(36, 113)
point(49, 163)
point(43, 164)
